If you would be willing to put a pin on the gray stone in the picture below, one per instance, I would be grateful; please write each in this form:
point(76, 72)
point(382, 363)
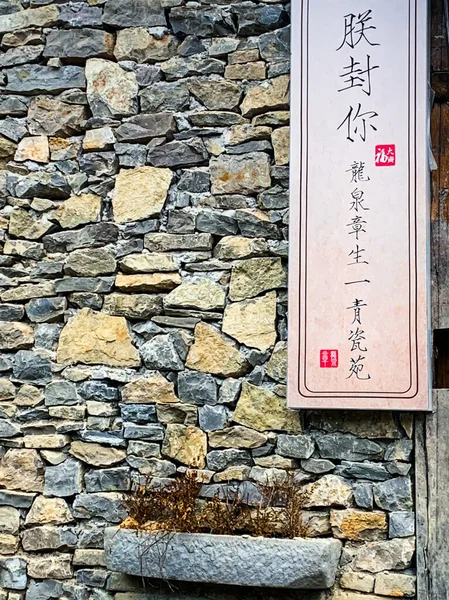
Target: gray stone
point(61, 393)
point(205, 21)
point(79, 14)
point(11, 312)
point(254, 19)
point(135, 13)
point(99, 391)
point(79, 43)
point(51, 116)
point(44, 590)
point(138, 413)
point(301, 564)
point(43, 310)
point(108, 480)
point(99, 163)
point(37, 79)
point(218, 460)
point(256, 225)
point(13, 573)
point(229, 391)
point(31, 367)
point(363, 495)
point(103, 505)
point(347, 447)
point(399, 450)
point(13, 106)
point(363, 470)
point(178, 154)
point(43, 185)
point(212, 418)
point(65, 479)
point(171, 97)
point(394, 495)
point(143, 128)
point(8, 430)
point(20, 56)
point(162, 242)
point(131, 155)
point(180, 67)
point(91, 236)
point(275, 46)
point(217, 223)
point(99, 285)
point(48, 538)
point(152, 433)
point(16, 499)
point(295, 446)
point(92, 577)
point(144, 449)
point(197, 388)
point(194, 180)
point(401, 524)
point(318, 466)
point(166, 352)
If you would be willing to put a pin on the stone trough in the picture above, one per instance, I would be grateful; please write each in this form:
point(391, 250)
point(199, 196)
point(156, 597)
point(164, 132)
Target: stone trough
point(230, 560)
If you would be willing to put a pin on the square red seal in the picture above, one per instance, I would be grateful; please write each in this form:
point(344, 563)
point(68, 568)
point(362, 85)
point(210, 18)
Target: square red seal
point(329, 359)
point(385, 155)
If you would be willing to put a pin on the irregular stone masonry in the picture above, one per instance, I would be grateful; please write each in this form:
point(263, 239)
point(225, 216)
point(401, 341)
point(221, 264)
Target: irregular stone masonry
point(143, 318)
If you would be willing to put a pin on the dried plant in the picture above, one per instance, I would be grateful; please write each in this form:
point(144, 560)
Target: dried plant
point(176, 507)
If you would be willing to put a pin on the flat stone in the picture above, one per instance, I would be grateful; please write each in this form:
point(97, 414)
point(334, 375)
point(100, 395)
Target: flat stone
point(143, 128)
point(43, 185)
point(97, 455)
point(374, 425)
point(44, 16)
point(216, 94)
point(38, 79)
point(162, 242)
point(13, 574)
point(98, 339)
point(50, 116)
point(7, 390)
point(295, 446)
point(178, 154)
point(143, 47)
point(65, 479)
point(171, 97)
point(252, 322)
point(111, 91)
point(201, 293)
point(61, 392)
point(147, 263)
point(180, 67)
point(84, 284)
point(247, 71)
point(104, 505)
point(151, 432)
point(212, 353)
point(395, 584)
point(78, 210)
point(363, 470)
point(260, 409)
point(98, 390)
point(24, 249)
point(90, 263)
point(102, 138)
point(272, 95)
point(7, 151)
point(240, 174)
point(15, 335)
point(46, 441)
point(79, 43)
point(184, 414)
point(245, 561)
point(212, 418)
point(138, 413)
point(8, 430)
point(149, 390)
point(252, 277)
point(358, 525)
point(235, 247)
point(348, 447)
point(147, 187)
point(16, 499)
point(152, 282)
point(91, 236)
point(385, 556)
point(49, 511)
point(23, 224)
point(237, 437)
point(22, 470)
point(133, 306)
point(394, 494)
point(50, 566)
point(330, 490)
point(138, 13)
point(187, 445)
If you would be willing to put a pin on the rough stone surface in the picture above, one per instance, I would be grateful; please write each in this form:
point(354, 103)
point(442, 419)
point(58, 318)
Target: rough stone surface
point(111, 91)
point(97, 339)
point(187, 445)
point(257, 562)
point(252, 322)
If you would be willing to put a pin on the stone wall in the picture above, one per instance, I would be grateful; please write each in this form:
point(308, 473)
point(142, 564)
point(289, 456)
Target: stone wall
point(144, 214)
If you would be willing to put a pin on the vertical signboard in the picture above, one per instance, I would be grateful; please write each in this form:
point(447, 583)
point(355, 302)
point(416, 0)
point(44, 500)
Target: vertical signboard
point(358, 295)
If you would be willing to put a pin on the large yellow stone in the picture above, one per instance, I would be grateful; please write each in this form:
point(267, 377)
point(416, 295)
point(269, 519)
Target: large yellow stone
point(211, 353)
point(358, 525)
point(140, 193)
point(96, 454)
point(97, 339)
point(78, 210)
point(22, 470)
point(187, 445)
point(252, 322)
point(260, 409)
point(271, 95)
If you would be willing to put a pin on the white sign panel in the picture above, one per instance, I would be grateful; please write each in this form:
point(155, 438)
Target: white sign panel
point(358, 306)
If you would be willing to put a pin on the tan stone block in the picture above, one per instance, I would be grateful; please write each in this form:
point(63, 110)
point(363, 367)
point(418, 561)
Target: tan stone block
point(280, 139)
point(97, 339)
point(397, 585)
point(78, 210)
point(271, 95)
point(33, 148)
point(98, 139)
point(358, 525)
point(140, 193)
point(247, 71)
point(97, 455)
point(252, 322)
point(148, 282)
point(49, 441)
point(22, 470)
point(46, 511)
point(188, 445)
point(149, 390)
